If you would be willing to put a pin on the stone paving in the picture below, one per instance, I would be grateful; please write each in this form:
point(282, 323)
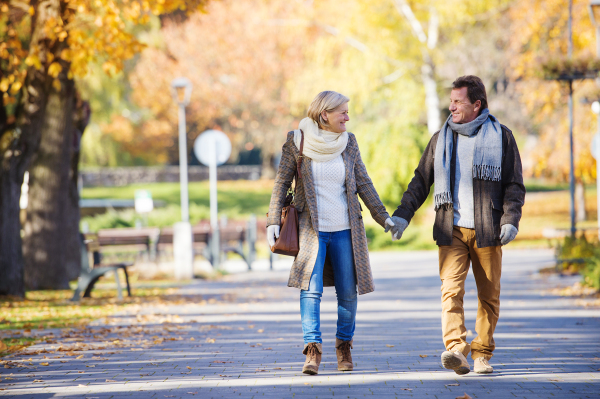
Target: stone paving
point(244, 340)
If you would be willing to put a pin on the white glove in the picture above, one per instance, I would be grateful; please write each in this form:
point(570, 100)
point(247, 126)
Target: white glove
point(508, 232)
point(388, 225)
point(272, 234)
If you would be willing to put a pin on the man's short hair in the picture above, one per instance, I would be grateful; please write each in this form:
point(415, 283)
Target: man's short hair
point(475, 89)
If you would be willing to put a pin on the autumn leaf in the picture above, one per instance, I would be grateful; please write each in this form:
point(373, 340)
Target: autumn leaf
point(464, 397)
point(188, 367)
point(452, 385)
point(54, 69)
point(389, 346)
point(3, 346)
point(423, 356)
point(111, 380)
point(79, 357)
point(44, 364)
point(260, 331)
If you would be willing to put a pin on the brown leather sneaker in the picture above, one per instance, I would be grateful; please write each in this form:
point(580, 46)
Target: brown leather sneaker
point(313, 351)
point(344, 357)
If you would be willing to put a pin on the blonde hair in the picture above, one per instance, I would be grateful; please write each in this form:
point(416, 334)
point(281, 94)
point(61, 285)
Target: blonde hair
point(325, 101)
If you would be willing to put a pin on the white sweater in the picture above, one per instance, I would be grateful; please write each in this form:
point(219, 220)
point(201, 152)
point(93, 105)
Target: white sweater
point(332, 201)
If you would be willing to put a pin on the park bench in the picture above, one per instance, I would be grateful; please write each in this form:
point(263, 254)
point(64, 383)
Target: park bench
point(137, 240)
point(92, 271)
point(233, 235)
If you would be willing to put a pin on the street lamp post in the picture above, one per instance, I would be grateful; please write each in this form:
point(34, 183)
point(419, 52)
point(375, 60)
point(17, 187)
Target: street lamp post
point(182, 231)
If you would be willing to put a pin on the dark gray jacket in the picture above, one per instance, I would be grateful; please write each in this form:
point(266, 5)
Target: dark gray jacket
point(496, 203)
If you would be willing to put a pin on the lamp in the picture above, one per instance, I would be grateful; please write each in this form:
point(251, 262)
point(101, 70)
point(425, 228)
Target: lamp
point(181, 89)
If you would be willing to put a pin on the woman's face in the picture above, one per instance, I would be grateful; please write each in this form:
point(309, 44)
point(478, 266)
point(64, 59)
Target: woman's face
point(336, 119)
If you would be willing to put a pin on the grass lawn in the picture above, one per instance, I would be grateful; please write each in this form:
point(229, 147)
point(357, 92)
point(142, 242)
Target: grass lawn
point(41, 310)
point(546, 206)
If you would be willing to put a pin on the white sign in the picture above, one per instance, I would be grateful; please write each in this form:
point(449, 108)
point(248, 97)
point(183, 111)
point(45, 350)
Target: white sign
point(212, 143)
point(143, 201)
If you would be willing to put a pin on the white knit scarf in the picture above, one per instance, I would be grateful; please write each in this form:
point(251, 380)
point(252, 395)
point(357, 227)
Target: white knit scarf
point(320, 145)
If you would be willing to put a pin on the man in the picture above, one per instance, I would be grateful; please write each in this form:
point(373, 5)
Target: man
point(476, 167)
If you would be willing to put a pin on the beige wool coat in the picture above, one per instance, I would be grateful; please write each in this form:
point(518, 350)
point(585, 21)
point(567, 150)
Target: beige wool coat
point(357, 182)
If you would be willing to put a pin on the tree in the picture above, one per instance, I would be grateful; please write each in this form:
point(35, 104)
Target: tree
point(47, 43)
point(539, 34)
point(240, 58)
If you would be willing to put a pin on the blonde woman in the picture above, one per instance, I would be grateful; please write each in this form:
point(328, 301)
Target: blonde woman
point(333, 243)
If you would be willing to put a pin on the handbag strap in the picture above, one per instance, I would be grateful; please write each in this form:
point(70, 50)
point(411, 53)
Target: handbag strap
point(299, 163)
point(298, 174)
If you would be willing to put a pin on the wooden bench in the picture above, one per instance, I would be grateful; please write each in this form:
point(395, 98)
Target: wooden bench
point(140, 240)
point(92, 268)
point(232, 239)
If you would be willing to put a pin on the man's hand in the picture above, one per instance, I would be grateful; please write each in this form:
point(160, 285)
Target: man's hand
point(272, 234)
point(397, 225)
point(508, 232)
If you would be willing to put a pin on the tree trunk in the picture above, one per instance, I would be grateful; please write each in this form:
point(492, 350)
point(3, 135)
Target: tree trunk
point(81, 118)
point(47, 244)
point(17, 156)
point(580, 201)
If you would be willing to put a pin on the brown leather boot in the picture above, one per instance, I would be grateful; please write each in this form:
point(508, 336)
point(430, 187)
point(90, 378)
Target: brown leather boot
point(313, 351)
point(344, 357)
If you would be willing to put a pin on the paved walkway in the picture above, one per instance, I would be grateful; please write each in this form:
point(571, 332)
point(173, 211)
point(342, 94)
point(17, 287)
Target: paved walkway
point(244, 340)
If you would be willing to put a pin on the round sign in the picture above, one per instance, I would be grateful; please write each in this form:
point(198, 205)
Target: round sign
point(211, 144)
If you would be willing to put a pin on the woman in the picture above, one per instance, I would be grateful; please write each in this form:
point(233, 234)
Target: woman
point(333, 243)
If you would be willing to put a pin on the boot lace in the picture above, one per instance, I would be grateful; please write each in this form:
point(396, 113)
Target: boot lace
point(311, 352)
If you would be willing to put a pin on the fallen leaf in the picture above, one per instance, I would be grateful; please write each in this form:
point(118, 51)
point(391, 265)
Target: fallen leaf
point(389, 346)
point(260, 370)
point(406, 389)
point(38, 380)
point(82, 385)
point(219, 361)
point(3, 346)
point(111, 380)
point(464, 397)
point(169, 396)
point(90, 365)
point(277, 368)
point(452, 385)
point(267, 349)
point(192, 393)
point(192, 339)
point(423, 356)
point(210, 340)
point(260, 331)
point(554, 380)
point(307, 383)
point(79, 357)
point(189, 368)
point(44, 364)
point(64, 361)
point(223, 375)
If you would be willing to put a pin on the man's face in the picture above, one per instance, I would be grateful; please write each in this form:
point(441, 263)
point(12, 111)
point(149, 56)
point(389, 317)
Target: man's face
point(461, 108)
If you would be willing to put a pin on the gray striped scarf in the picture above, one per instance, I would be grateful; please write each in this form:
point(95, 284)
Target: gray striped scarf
point(487, 158)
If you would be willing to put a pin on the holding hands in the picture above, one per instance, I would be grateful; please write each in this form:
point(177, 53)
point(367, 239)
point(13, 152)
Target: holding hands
point(397, 225)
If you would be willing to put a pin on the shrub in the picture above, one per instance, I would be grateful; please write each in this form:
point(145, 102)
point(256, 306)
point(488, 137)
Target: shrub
point(574, 248)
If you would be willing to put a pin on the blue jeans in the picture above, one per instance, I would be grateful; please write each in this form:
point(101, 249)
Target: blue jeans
point(338, 245)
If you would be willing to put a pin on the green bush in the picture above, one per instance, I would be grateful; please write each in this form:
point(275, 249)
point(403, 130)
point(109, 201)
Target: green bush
point(575, 248)
point(591, 272)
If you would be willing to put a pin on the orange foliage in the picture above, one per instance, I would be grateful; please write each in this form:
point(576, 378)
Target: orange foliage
point(239, 56)
point(538, 33)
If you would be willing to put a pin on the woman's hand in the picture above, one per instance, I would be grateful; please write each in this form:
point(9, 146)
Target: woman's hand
point(272, 234)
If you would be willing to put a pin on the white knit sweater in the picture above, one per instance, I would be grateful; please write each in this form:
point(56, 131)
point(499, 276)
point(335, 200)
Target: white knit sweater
point(332, 201)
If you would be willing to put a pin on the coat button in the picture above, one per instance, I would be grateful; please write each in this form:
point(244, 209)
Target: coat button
point(360, 217)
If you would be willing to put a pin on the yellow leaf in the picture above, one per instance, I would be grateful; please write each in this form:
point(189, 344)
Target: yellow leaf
point(389, 346)
point(54, 69)
point(4, 84)
point(56, 84)
point(3, 346)
point(79, 357)
point(423, 356)
point(16, 87)
point(33, 60)
point(45, 364)
point(189, 367)
point(31, 10)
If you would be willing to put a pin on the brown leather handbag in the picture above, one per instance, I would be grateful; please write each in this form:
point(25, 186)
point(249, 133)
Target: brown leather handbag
point(288, 242)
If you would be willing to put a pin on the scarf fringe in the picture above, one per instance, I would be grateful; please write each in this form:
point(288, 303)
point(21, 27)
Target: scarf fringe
point(443, 200)
point(487, 172)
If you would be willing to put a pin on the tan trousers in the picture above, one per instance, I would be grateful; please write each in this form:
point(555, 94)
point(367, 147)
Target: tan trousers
point(454, 266)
